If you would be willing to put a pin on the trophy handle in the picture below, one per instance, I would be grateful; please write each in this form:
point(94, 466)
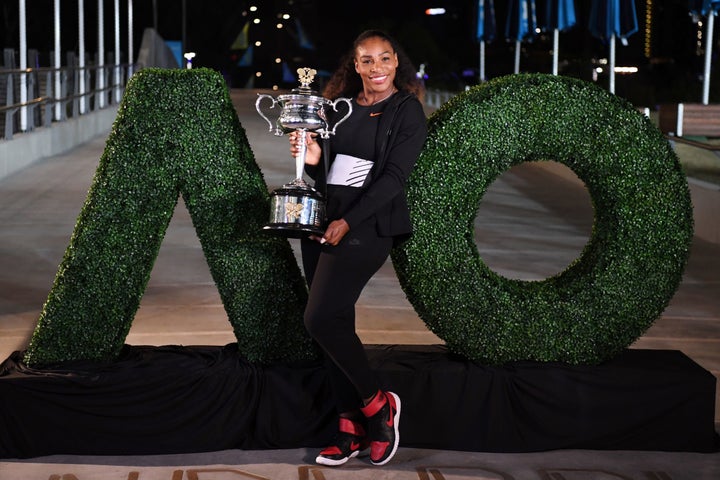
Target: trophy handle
point(324, 133)
point(278, 131)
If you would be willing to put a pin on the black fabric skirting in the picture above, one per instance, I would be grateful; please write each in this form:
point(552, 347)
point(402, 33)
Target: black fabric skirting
point(173, 399)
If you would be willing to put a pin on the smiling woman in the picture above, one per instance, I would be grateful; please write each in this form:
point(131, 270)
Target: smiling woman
point(362, 170)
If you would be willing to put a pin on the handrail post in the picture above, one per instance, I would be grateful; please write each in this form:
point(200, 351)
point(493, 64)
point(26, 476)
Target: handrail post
point(23, 65)
point(80, 86)
point(56, 58)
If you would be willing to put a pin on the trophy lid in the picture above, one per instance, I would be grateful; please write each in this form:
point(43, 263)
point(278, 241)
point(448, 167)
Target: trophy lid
point(306, 76)
point(304, 95)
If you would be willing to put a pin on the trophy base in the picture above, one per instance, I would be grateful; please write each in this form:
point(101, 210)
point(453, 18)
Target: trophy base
point(292, 230)
point(296, 210)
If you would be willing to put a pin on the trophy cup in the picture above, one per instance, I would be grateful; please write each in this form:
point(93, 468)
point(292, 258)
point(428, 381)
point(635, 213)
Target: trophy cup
point(296, 208)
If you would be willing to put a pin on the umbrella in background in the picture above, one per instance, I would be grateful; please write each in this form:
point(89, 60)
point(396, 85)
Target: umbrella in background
point(559, 16)
point(611, 19)
point(521, 24)
point(485, 30)
point(701, 8)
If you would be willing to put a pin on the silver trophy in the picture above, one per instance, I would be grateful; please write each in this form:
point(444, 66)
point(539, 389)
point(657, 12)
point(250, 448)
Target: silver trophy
point(296, 208)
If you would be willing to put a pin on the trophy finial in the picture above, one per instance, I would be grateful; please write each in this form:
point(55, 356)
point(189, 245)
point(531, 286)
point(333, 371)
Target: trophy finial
point(306, 76)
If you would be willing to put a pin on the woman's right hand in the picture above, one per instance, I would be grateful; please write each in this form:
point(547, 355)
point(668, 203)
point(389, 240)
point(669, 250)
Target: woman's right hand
point(312, 155)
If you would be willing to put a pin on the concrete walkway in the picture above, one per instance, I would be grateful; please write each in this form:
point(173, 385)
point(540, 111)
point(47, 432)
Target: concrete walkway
point(532, 224)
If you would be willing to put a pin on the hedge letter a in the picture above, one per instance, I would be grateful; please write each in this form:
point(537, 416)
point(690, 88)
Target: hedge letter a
point(176, 133)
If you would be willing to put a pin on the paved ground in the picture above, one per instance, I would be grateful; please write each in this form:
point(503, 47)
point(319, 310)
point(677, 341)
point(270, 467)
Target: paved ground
point(531, 225)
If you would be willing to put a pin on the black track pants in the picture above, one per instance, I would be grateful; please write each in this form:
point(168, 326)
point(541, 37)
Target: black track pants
point(337, 276)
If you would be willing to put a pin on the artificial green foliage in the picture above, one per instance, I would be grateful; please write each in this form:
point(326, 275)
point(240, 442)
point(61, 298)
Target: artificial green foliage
point(176, 133)
point(626, 274)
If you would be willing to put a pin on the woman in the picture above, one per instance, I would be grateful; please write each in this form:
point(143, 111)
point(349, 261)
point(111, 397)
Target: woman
point(370, 159)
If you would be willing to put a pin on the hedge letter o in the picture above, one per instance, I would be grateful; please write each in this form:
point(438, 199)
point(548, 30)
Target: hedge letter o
point(627, 272)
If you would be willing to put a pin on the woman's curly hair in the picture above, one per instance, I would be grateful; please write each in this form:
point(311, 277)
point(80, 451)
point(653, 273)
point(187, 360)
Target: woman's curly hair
point(345, 81)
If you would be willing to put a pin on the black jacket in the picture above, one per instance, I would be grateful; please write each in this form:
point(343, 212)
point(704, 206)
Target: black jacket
point(396, 152)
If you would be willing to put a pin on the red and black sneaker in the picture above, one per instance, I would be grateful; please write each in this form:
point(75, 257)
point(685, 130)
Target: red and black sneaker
point(383, 414)
point(349, 442)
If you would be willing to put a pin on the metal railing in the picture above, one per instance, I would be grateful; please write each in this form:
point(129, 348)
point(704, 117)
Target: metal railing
point(37, 97)
point(435, 98)
point(57, 94)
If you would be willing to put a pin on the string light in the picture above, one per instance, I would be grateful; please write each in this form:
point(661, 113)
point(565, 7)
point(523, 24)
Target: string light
point(648, 28)
point(698, 44)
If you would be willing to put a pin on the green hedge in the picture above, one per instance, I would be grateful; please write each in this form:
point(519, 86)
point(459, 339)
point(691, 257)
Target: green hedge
point(176, 133)
point(627, 272)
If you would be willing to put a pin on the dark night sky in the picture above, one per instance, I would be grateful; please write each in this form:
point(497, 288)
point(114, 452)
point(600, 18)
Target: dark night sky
point(445, 44)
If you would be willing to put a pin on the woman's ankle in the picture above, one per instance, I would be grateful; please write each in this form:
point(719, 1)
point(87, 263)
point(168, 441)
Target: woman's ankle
point(374, 404)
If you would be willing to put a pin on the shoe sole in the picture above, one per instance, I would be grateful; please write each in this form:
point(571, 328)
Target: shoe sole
point(329, 462)
point(397, 431)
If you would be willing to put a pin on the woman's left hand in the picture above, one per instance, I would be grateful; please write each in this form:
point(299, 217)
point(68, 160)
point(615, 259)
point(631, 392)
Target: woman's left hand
point(313, 150)
point(335, 232)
